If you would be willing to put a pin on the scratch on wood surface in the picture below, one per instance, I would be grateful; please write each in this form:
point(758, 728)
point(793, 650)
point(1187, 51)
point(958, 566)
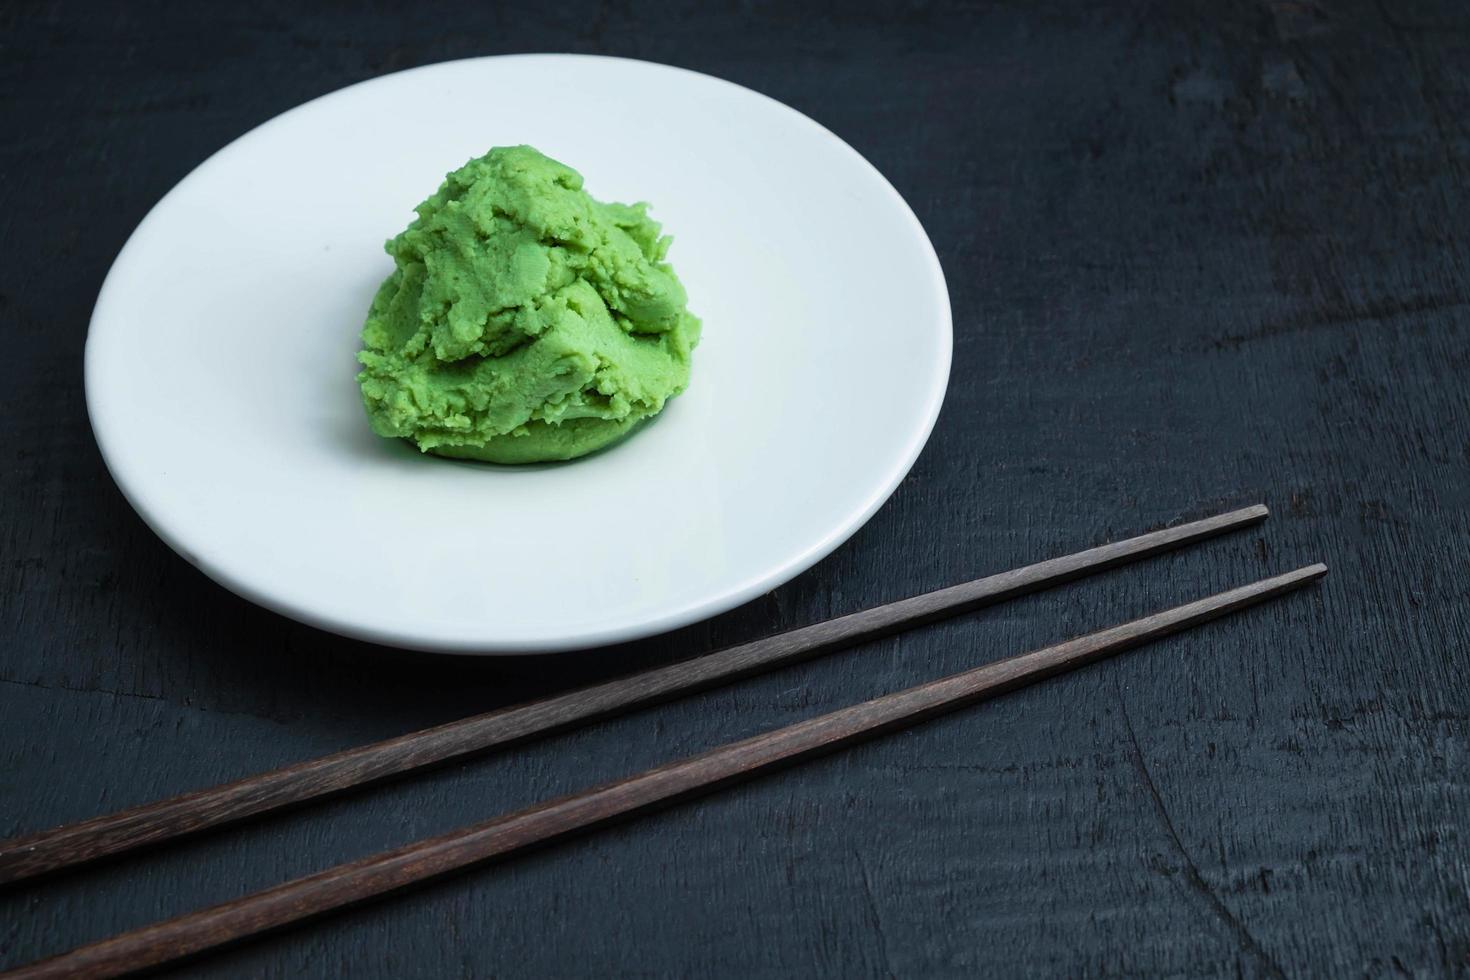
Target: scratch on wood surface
point(873, 914)
point(1328, 318)
point(1192, 877)
point(133, 696)
point(85, 690)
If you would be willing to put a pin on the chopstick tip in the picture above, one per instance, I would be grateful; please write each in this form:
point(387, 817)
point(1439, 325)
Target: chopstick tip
point(1305, 574)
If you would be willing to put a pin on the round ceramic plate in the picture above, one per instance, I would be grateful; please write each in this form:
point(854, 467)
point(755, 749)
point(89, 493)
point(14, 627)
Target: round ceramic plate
point(221, 360)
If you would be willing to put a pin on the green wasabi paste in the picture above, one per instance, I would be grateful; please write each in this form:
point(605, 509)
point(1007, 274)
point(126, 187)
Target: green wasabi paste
point(524, 321)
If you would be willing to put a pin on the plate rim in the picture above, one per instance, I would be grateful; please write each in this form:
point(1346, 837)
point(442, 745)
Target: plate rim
point(690, 613)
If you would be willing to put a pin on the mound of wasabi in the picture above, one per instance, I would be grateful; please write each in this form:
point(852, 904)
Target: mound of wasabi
point(524, 321)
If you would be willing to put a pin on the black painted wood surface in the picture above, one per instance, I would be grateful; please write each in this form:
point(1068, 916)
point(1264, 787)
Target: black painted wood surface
point(1200, 255)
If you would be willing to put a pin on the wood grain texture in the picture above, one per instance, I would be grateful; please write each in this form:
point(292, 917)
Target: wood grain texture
point(1199, 254)
point(414, 864)
point(153, 823)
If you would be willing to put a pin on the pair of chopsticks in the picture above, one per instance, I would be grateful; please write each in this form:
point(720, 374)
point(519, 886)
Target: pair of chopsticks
point(422, 861)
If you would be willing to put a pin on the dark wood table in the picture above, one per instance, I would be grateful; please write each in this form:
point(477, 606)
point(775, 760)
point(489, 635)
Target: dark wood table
point(1200, 255)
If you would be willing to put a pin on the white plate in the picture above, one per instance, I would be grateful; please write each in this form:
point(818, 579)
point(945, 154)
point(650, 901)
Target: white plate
point(220, 363)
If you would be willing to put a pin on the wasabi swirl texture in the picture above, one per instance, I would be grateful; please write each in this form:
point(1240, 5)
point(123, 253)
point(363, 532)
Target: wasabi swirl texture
point(524, 321)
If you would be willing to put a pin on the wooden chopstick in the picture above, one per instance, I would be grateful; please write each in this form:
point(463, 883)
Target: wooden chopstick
point(373, 877)
point(168, 819)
